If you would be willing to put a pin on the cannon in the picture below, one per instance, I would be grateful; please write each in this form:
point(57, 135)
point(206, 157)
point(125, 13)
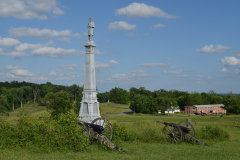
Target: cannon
point(101, 130)
point(176, 133)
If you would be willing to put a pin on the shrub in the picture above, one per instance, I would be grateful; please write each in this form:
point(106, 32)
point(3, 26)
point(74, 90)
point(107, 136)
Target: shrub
point(121, 133)
point(44, 135)
point(211, 132)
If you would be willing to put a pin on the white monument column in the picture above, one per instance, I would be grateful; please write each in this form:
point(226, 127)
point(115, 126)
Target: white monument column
point(89, 106)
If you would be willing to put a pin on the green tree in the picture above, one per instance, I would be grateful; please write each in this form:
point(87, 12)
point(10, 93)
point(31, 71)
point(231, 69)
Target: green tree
point(20, 92)
point(60, 102)
point(12, 95)
point(35, 89)
point(143, 104)
point(196, 98)
point(3, 103)
point(232, 103)
point(46, 89)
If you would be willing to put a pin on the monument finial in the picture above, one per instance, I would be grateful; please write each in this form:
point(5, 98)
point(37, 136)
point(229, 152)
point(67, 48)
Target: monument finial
point(90, 29)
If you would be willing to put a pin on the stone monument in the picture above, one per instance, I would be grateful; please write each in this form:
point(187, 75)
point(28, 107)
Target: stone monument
point(89, 106)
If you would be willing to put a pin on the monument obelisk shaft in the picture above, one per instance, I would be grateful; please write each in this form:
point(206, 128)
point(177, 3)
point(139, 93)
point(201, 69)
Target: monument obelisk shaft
point(89, 106)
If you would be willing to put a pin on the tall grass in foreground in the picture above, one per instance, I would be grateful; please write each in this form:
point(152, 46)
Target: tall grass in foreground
point(44, 135)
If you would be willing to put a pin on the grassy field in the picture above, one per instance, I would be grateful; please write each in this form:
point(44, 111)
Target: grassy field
point(150, 147)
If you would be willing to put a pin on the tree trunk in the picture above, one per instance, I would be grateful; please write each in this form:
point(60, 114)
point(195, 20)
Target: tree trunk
point(75, 96)
point(21, 104)
point(13, 106)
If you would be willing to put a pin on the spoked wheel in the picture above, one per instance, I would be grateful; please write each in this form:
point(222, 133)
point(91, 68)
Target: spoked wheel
point(108, 130)
point(189, 126)
point(172, 133)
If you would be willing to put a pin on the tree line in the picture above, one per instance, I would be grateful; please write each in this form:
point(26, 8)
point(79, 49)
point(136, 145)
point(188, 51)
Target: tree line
point(145, 101)
point(14, 94)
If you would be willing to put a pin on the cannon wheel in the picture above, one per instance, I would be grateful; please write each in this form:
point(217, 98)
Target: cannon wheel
point(108, 129)
point(172, 133)
point(189, 126)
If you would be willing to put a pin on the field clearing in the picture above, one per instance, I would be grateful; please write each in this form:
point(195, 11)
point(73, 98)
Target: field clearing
point(144, 124)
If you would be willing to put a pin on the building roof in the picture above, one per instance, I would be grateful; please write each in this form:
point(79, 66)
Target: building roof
point(208, 105)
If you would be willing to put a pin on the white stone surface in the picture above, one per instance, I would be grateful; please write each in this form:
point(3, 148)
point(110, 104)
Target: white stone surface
point(89, 106)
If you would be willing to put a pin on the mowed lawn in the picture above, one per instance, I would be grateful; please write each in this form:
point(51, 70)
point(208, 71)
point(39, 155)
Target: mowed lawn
point(217, 150)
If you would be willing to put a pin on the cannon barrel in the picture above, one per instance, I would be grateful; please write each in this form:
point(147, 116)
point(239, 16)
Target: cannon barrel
point(95, 127)
point(184, 129)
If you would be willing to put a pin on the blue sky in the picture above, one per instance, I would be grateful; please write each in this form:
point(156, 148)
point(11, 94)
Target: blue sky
point(184, 45)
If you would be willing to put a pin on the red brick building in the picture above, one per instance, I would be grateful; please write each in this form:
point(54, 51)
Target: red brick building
point(210, 108)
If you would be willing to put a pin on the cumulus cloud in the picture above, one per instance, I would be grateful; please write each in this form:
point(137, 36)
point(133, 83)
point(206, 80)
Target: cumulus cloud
point(18, 71)
point(135, 10)
point(173, 72)
point(224, 70)
point(183, 76)
point(8, 42)
point(68, 67)
point(159, 25)
point(101, 66)
point(236, 71)
point(168, 58)
point(26, 46)
point(50, 43)
point(65, 39)
point(121, 25)
point(113, 62)
point(133, 77)
point(153, 65)
point(35, 32)
point(213, 49)
point(56, 52)
point(29, 9)
point(209, 77)
point(97, 52)
point(12, 54)
point(230, 61)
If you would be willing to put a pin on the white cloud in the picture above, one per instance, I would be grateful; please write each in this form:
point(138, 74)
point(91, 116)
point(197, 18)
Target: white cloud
point(133, 77)
point(101, 66)
point(159, 25)
point(173, 72)
point(168, 58)
point(230, 61)
point(18, 71)
point(64, 78)
point(236, 71)
point(121, 25)
point(183, 76)
point(8, 41)
point(97, 52)
point(13, 54)
point(26, 46)
point(35, 32)
point(119, 76)
point(68, 67)
point(224, 70)
point(153, 65)
point(200, 76)
point(113, 62)
point(56, 52)
point(29, 9)
point(135, 10)
point(209, 77)
point(50, 43)
point(76, 35)
point(58, 11)
point(213, 49)
point(65, 39)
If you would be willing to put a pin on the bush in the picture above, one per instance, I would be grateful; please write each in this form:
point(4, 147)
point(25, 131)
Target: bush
point(211, 132)
point(44, 135)
point(121, 133)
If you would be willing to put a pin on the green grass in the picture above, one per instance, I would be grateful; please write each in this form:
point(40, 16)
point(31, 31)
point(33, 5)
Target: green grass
point(149, 145)
point(112, 108)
